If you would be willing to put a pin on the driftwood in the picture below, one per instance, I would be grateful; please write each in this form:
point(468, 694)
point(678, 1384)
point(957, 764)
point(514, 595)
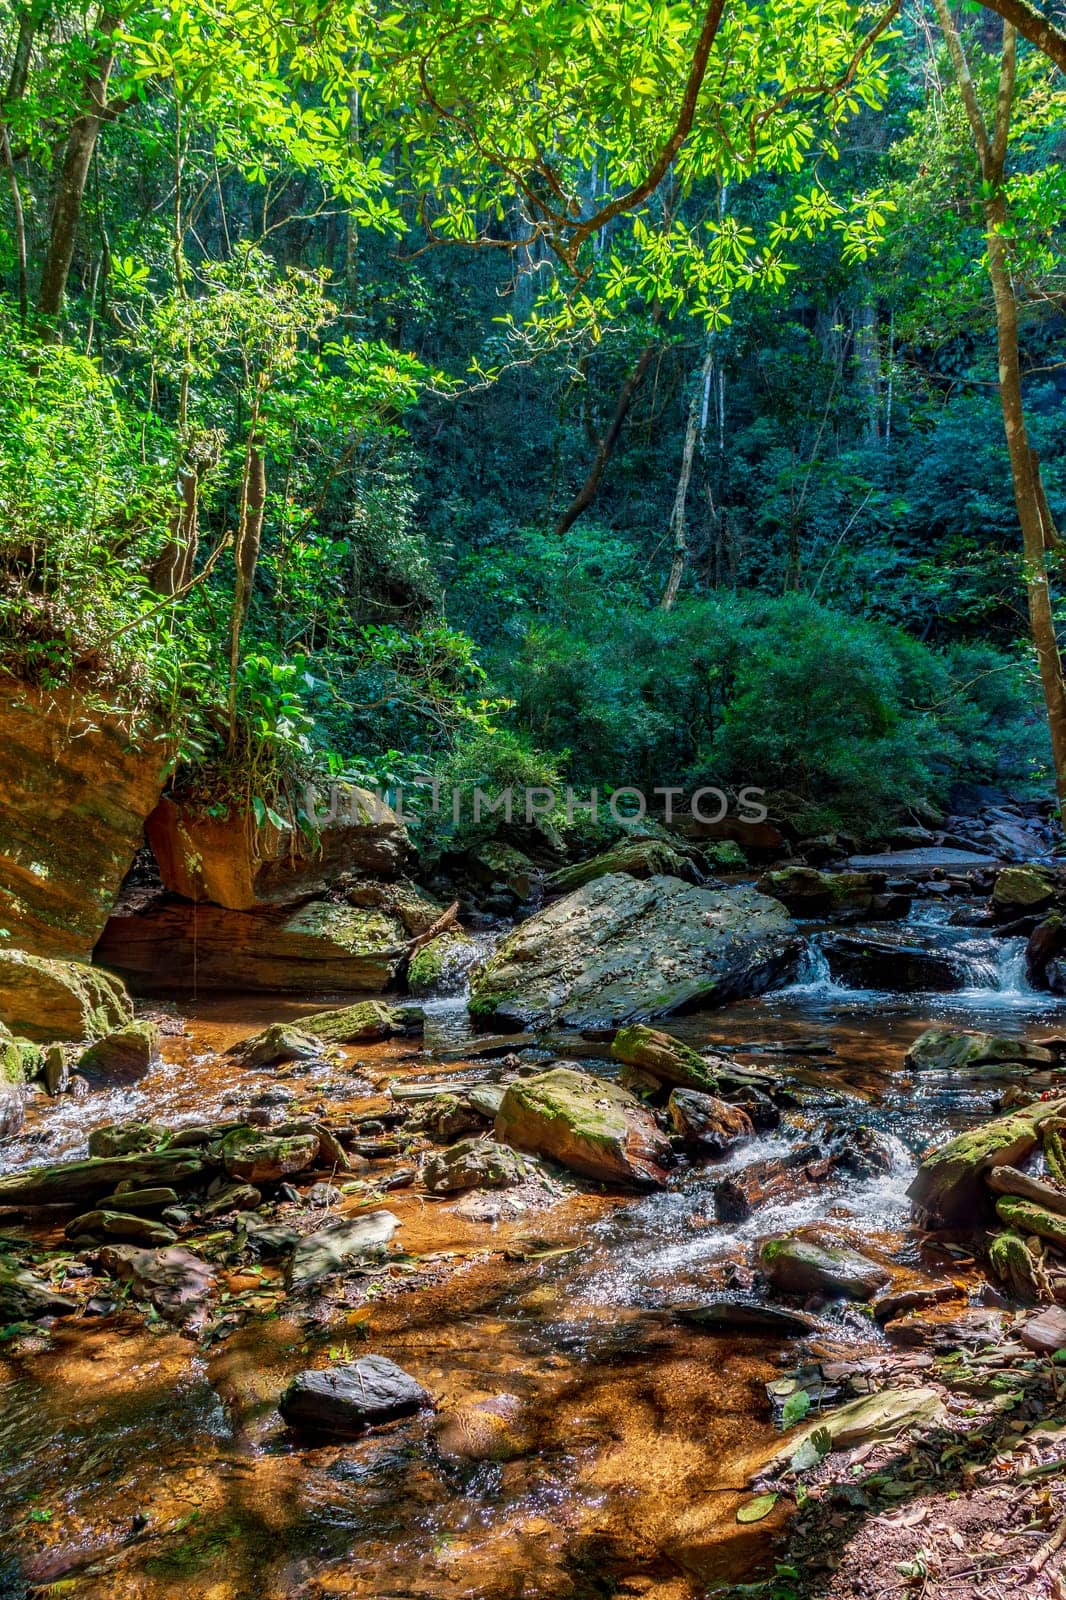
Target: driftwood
point(447, 920)
point(1008, 1180)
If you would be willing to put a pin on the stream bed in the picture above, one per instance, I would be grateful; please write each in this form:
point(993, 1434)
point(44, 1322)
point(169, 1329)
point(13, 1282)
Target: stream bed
point(617, 1440)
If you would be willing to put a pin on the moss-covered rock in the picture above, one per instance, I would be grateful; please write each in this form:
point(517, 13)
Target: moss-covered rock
point(948, 1190)
point(474, 1164)
point(77, 1182)
point(126, 1138)
point(1021, 1273)
point(637, 858)
point(946, 1050)
point(1022, 888)
point(504, 864)
point(1025, 1217)
point(278, 1043)
point(363, 1023)
point(806, 892)
point(428, 967)
point(124, 1056)
point(592, 1127)
point(124, 1225)
point(796, 1265)
point(255, 1157)
point(46, 1000)
point(620, 949)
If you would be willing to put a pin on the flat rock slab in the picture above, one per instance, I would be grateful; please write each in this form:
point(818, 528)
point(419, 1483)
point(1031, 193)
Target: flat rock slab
point(345, 1400)
point(920, 863)
point(74, 1182)
point(875, 1416)
point(1046, 1332)
point(340, 1244)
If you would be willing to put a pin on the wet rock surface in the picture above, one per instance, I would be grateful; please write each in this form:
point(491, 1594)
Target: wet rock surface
point(349, 1398)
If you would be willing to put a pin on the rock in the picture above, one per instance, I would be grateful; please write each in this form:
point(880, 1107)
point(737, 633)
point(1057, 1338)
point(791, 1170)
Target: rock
point(233, 862)
point(55, 1073)
point(706, 1123)
point(1045, 1333)
point(1043, 955)
point(316, 947)
point(24, 1297)
point(1029, 1218)
point(498, 863)
point(746, 1316)
point(948, 1190)
point(897, 1302)
point(363, 1023)
point(1019, 1269)
point(74, 1183)
point(1020, 889)
point(592, 1127)
point(949, 1051)
point(806, 892)
point(175, 1280)
point(672, 1062)
point(485, 1431)
point(122, 1057)
point(645, 1085)
point(1008, 1180)
point(258, 1158)
point(621, 949)
point(486, 1098)
point(45, 1000)
point(890, 961)
point(873, 1417)
point(280, 1042)
point(77, 787)
point(103, 1224)
point(474, 1164)
point(638, 858)
point(232, 1197)
point(760, 841)
point(12, 1108)
point(921, 863)
point(344, 1400)
point(140, 1200)
point(362, 1236)
point(429, 967)
point(445, 1117)
point(799, 1266)
point(126, 1138)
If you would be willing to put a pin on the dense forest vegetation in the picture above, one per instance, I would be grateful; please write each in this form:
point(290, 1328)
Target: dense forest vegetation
point(604, 393)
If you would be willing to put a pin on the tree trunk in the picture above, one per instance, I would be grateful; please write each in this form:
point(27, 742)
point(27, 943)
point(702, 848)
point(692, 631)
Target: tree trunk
point(1029, 496)
point(697, 412)
point(246, 555)
point(70, 189)
point(606, 447)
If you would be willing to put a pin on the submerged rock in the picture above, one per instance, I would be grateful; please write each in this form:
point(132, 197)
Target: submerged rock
point(746, 1316)
point(233, 862)
point(706, 1123)
point(344, 1400)
point(592, 1127)
point(316, 947)
point(488, 1430)
point(122, 1057)
point(799, 1266)
point(947, 1050)
point(47, 1000)
point(339, 1243)
point(621, 949)
point(948, 1190)
point(474, 1164)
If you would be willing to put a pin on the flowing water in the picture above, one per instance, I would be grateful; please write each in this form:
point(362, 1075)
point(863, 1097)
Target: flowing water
point(134, 1462)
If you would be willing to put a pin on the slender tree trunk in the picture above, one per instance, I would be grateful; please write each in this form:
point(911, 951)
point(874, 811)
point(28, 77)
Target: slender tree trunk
point(607, 444)
point(246, 554)
point(693, 432)
point(74, 171)
point(1029, 495)
point(20, 223)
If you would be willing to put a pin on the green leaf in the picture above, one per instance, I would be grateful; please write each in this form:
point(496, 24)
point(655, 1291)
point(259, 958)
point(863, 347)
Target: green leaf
point(755, 1510)
point(796, 1408)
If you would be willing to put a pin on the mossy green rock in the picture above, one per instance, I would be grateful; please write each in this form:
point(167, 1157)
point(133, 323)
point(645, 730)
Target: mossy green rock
point(666, 1058)
point(255, 1157)
point(1018, 1269)
point(1022, 889)
point(126, 1138)
point(124, 1056)
point(363, 1023)
point(105, 1224)
point(622, 949)
point(592, 1127)
point(638, 858)
point(498, 862)
point(474, 1164)
point(278, 1043)
point(47, 1000)
point(947, 1050)
point(77, 1182)
point(800, 1266)
point(1028, 1218)
point(948, 1190)
point(806, 892)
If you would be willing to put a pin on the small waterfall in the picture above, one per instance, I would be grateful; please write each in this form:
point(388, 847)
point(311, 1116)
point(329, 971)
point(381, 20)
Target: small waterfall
point(445, 1007)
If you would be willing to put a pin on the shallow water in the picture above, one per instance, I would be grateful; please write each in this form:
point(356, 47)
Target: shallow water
point(135, 1463)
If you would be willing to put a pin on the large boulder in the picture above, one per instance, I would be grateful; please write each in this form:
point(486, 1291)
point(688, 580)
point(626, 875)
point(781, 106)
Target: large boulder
point(1021, 889)
point(344, 1400)
point(235, 862)
point(46, 1000)
point(313, 949)
point(620, 949)
point(807, 892)
point(947, 1050)
point(77, 788)
point(594, 1128)
point(890, 961)
point(638, 858)
point(948, 1190)
point(363, 1023)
